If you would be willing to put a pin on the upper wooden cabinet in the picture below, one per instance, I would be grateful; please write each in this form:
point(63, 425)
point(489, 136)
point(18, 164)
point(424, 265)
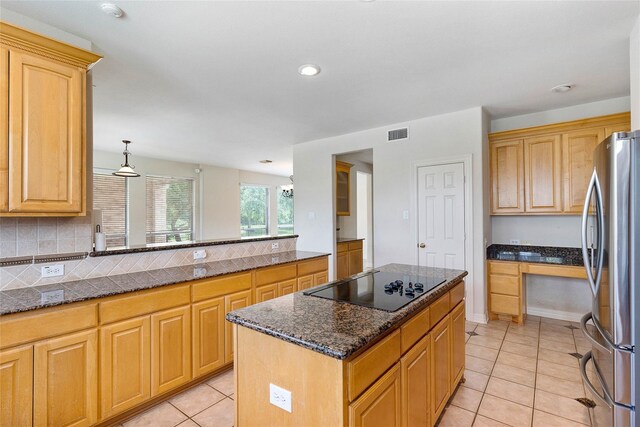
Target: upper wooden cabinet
point(546, 169)
point(43, 142)
point(343, 190)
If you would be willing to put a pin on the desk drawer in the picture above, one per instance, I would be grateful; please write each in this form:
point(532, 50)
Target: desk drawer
point(439, 309)
point(501, 267)
point(505, 304)
point(456, 295)
point(414, 329)
point(507, 285)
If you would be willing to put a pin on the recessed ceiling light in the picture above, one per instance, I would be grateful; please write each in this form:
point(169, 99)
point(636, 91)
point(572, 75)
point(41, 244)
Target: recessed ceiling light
point(266, 161)
point(112, 10)
point(562, 88)
point(309, 70)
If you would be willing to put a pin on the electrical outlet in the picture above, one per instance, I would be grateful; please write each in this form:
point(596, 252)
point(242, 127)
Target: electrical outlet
point(514, 241)
point(199, 272)
point(275, 245)
point(52, 270)
point(50, 297)
point(275, 259)
point(280, 397)
point(199, 254)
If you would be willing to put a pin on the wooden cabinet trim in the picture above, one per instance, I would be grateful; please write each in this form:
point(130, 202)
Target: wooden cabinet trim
point(4, 135)
point(143, 302)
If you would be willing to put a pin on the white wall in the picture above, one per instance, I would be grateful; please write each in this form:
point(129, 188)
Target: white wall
point(432, 138)
point(217, 210)
point(365, 215)
point(575, 112)
point(634, 56)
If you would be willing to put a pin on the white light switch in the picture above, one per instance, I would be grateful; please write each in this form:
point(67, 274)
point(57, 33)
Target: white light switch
point(280, 397)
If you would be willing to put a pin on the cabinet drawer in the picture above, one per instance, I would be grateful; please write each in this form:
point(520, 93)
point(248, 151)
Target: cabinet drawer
point(354, 246)
point(508, 285)
point(439, 309)
point(414, 329)
point(216, 287)
point(313, 266)
point(505, 304)
point(343, 247)
point(268, 275)
point(456, 295)
point(366, 368)
point(501, 267)
point(39, 324)
point(143, 303)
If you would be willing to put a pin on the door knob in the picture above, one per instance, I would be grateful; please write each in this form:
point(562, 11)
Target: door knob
point(422, 245)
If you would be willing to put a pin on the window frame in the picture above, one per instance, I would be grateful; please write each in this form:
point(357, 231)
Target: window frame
point(193, 210)
point(127, 205)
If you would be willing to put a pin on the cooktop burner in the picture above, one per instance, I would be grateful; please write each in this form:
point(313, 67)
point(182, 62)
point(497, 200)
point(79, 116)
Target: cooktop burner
point(380, 290)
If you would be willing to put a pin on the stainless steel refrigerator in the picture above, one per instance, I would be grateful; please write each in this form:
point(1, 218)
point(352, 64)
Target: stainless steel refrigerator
point(611, 252)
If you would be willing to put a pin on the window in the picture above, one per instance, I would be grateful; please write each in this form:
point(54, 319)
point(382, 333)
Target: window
point(170, 207)
point(285, 211)
point(111, 198)
point(254, 211)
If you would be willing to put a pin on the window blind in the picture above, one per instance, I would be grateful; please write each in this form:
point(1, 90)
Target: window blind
point(170, 207)
point(110, 195)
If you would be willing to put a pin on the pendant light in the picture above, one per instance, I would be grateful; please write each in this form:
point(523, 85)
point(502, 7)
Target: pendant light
point(126, 170)
point(288, 193)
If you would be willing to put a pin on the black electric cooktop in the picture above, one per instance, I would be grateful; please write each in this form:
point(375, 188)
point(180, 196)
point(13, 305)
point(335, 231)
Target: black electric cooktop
point(380, 290)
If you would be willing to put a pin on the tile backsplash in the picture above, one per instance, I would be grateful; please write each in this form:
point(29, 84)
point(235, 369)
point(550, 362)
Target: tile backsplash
point(23, 276)
point(43, 236)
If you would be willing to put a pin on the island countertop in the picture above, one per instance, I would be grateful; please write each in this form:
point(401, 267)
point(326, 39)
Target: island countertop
point(337, 329)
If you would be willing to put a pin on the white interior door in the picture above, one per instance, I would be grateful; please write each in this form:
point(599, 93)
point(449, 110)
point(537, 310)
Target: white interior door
point(441, 230)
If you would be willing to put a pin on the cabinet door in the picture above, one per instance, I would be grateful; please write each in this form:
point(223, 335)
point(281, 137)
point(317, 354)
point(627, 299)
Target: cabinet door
point(305, 282)
point(125, 365)
point(320, 278)
point(267, 292)
point(208, 336)
point(343, 191)
point(626, 127)
point(507, 177)
point(355, 262)
point(457, 344)
point(440, 367)
point(46, 135)
point(288, 287)
point(65, 381)
point(342, 264)
point(16, 386)
point(577, 161)
point(380, 405)
point(415, 369)
point(4, 134)
point(233, 302)
point(170, 349)
point(542, 171)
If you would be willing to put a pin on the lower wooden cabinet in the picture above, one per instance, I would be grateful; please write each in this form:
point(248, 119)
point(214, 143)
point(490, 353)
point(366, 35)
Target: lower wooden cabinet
point(305, 282)
point(440, 367)
point(170, 349)
point(507, 290)
point(208, 325)
point(415, 368)
point(233, 302)
point(125, 365)
point(266, 292)
point(457, 325)
point(349, 259)
point(16, 386)
point(381, 404)
point(320, 278)
point(65, 382)
point(288, 287)
point(342, 265)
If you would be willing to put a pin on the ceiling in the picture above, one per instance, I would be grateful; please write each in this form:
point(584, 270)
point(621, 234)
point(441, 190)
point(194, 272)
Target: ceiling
point(217, 82)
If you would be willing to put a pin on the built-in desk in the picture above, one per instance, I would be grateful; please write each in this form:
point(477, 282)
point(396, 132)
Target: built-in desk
point(506, 269)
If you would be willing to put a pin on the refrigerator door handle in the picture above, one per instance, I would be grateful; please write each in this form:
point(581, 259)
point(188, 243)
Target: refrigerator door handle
point(591, 338)
point(594, 185)
point(605, 399)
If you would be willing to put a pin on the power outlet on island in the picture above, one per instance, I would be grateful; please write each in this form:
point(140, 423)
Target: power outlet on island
point(199, 254)
point(514, 241)
point(280, 397)
point(275, 245)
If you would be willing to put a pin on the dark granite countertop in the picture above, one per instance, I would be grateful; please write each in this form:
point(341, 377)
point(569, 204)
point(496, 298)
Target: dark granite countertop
point(333, 328)
point(191, 244)
point(348, 239)
point(25, 299)
point(537, 254)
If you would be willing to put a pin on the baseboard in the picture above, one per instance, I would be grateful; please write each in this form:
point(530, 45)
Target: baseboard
point(555, 314)
point(478, 317)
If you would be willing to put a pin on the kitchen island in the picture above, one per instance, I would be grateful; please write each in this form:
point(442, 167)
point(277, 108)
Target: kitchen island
point(350, 365)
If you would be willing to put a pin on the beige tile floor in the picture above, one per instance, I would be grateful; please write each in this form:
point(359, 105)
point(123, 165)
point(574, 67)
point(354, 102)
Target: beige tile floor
point(515, 376)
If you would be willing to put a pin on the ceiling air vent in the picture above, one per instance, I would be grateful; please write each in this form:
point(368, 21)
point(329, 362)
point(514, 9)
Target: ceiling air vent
point(398, 134)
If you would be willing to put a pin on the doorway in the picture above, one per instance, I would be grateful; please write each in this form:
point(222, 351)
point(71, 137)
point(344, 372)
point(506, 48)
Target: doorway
point(441, 215)
point(364, 200)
